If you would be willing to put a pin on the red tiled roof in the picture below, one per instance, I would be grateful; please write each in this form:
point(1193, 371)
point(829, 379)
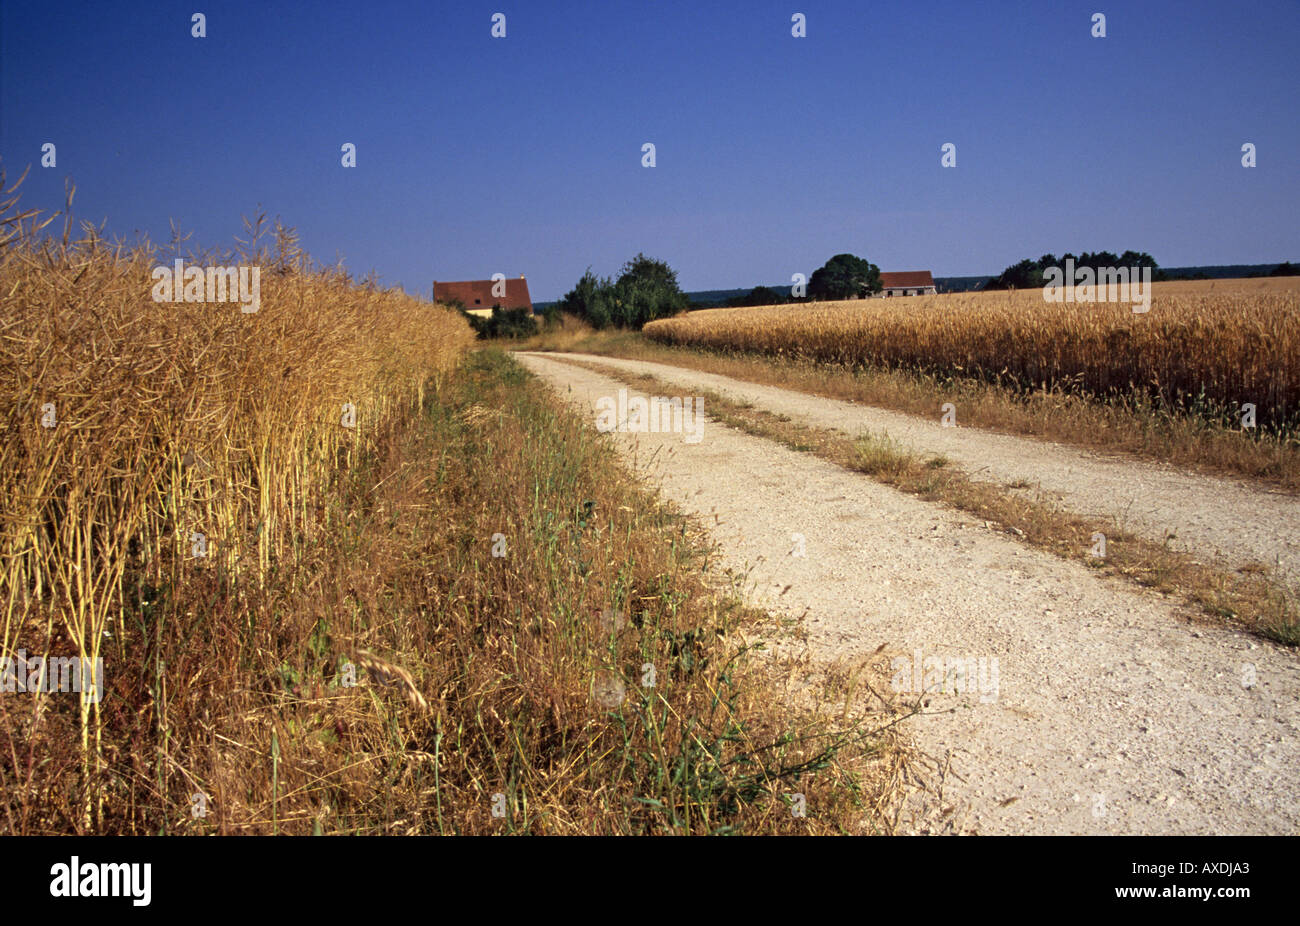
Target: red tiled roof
point(477, 294)
point(906, 278)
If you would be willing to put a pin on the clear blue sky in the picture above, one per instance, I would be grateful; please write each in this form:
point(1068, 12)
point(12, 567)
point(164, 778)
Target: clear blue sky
point(523, 155)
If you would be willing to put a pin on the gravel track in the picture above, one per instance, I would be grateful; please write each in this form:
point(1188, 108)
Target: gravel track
point(1226, 521)
point(1110, 713)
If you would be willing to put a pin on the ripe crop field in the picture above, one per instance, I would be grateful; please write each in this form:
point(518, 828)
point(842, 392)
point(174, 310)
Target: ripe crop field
point(143, 440)
point(1204, 347)
point(162, 420)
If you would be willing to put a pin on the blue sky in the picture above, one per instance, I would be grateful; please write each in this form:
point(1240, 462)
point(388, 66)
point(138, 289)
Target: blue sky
point(478, 155)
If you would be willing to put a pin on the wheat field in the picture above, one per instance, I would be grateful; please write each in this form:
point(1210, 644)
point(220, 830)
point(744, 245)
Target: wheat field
point(1206, 347)
point(141, 439)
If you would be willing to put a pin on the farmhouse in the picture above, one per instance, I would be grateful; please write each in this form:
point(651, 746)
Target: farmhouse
point(907, 283)
point(478, 296)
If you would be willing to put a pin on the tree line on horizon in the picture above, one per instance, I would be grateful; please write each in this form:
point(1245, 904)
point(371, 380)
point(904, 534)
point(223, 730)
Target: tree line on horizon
point(840, 276)
point(1029, 274)
point(647, 289)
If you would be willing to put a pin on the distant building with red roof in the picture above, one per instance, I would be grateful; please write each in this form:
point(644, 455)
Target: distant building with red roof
point(478, 298)
point(907, 283)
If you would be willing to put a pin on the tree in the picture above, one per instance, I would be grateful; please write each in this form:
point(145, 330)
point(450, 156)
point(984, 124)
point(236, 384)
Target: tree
point(653, 274)
point(844, 276)
point(1285, 269)
point(589, 300)
point(646, 289)
point(1027, 274)
point(1138, 259)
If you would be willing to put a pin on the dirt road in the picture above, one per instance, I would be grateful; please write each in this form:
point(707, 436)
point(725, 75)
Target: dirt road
point(1074, 703)
point(1220, 519)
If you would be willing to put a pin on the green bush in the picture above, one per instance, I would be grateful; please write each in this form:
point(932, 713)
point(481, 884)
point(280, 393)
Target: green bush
point(504, 323)
point(646, 289)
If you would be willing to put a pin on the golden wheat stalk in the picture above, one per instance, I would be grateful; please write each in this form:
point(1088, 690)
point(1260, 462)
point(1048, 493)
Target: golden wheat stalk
point(389, 675)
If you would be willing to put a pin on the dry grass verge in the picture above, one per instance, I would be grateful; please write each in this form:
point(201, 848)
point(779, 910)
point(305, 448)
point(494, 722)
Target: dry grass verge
point(590, 680)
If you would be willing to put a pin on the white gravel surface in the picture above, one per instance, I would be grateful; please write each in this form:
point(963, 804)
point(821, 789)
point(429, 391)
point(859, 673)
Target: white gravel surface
point(1224, 520)
point(1108, 712)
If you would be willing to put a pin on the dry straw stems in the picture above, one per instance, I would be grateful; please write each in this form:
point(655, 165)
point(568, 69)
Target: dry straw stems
point(185, 436)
